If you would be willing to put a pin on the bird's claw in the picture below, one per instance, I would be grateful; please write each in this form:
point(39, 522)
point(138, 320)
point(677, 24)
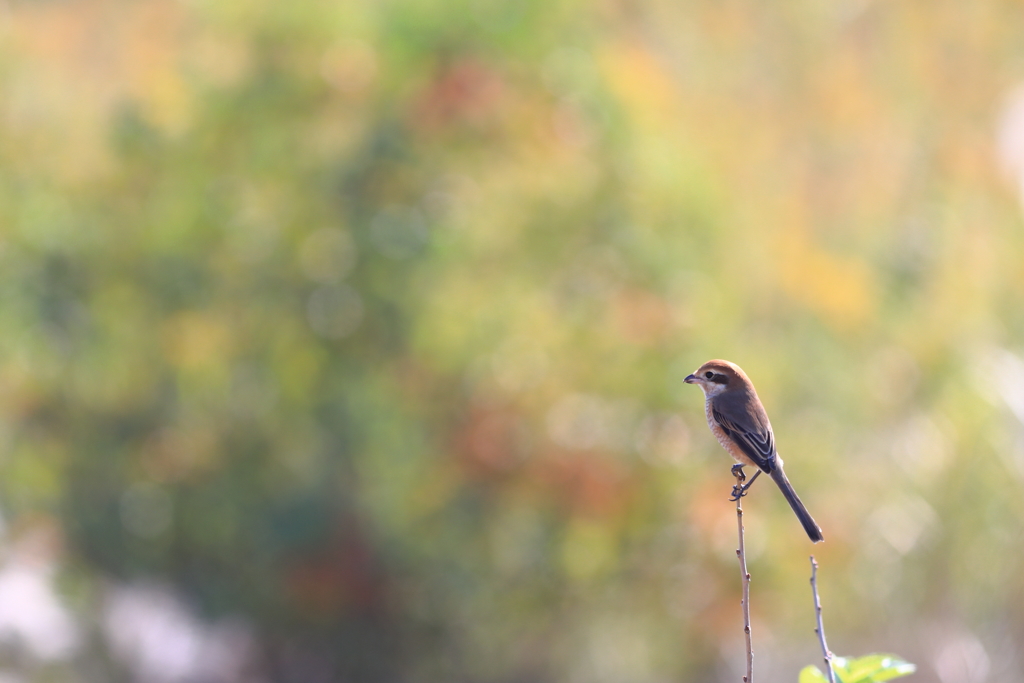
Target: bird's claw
point(740, 489)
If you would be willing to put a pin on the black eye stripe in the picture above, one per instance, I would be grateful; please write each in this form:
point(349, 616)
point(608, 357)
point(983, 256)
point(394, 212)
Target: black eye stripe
point(719, 379)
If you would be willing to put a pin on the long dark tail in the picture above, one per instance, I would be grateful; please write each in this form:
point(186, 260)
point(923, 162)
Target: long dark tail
point(810, 526)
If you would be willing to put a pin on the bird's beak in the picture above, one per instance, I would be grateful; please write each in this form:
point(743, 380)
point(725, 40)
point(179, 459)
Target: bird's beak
point(690, 379)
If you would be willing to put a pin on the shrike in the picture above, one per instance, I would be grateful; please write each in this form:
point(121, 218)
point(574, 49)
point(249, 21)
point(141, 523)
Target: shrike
point(737, 419)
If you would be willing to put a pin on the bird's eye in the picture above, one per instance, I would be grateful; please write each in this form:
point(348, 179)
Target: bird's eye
point(709, 374)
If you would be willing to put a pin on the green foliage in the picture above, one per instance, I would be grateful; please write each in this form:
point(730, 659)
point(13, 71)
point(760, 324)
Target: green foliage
point(867, 669)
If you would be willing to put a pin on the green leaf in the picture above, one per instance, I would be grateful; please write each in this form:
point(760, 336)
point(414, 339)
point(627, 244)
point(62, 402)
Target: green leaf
point(874, 668)
point(812, 674)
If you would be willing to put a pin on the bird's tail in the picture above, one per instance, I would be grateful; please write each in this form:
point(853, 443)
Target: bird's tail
point(810, 526)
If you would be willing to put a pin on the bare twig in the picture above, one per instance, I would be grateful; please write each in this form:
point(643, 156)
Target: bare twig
point(821, 628)
point(742, 555)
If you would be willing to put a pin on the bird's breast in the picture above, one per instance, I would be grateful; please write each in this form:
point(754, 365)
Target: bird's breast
point(727, 443)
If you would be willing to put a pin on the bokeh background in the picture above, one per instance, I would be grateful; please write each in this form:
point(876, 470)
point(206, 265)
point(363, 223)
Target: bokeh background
point(344, 341)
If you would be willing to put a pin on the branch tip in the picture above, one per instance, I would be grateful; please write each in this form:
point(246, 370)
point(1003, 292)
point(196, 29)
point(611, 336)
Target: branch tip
point(820, 630)
point(745, 576)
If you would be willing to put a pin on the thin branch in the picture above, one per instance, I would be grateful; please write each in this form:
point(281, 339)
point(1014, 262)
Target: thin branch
point(821, 628)
point(742, 555)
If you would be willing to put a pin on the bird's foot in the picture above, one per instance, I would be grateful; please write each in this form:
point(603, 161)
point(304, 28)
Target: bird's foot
point(740, 489)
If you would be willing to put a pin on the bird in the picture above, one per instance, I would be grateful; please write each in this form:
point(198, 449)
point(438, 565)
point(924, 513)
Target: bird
point(740, 423)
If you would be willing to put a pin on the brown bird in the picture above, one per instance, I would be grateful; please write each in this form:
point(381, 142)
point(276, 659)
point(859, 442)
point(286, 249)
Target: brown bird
point(737, 419)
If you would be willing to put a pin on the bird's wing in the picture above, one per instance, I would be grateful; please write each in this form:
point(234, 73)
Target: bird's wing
point(757, 441)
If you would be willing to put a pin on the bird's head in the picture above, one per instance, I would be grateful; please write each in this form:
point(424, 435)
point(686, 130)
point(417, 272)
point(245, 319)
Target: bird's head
point(717, 376)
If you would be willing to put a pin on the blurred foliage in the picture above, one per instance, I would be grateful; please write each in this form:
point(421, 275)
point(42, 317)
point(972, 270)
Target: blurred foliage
point(867, 669)
point(365, 322)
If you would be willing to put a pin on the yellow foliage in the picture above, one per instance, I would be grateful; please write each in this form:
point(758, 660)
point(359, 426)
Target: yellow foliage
point(641, 82)
point(195, 340)
point(841, 290)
